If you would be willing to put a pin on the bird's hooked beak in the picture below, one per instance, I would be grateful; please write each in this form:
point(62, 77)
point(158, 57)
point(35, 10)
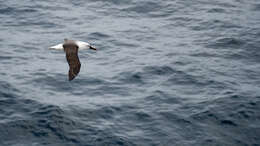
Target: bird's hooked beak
point(93, 48)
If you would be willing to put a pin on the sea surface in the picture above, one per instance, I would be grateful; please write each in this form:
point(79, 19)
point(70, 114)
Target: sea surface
point(166, 73)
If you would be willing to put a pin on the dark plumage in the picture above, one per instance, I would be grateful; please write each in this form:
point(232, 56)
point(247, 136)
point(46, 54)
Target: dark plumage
point(71, 50)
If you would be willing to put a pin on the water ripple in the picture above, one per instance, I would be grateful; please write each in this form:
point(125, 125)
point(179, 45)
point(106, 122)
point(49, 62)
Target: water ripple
point(170, 72)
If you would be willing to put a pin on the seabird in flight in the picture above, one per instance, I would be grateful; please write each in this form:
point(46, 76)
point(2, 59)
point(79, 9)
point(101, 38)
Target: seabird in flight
point(71, 48)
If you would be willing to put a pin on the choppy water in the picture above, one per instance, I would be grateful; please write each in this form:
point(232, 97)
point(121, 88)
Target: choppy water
point(172, 72)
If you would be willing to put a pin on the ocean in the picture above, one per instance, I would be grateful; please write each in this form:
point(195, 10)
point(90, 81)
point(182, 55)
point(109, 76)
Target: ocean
point(166, 73)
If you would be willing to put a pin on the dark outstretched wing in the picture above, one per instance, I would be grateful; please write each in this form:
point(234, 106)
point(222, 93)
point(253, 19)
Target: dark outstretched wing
point(72, 59)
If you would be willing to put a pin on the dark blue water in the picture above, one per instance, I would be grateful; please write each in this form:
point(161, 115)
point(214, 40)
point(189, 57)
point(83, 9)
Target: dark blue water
point(172, 72)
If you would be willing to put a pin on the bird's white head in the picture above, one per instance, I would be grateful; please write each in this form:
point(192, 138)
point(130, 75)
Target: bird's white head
point(84, 45)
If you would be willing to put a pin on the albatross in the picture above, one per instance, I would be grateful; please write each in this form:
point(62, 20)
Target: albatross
point(71, 49)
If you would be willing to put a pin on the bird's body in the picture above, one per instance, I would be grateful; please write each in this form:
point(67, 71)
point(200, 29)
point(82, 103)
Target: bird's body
point(82, 46)
point(71, 49)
